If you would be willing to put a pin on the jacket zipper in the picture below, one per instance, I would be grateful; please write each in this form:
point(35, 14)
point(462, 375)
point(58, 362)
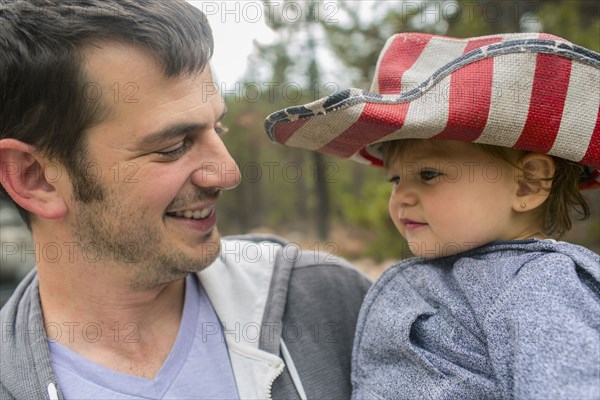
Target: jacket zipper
point(277, 373)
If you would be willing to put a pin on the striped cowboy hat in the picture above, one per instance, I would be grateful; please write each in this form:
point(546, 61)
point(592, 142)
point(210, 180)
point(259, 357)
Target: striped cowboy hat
point(534, 92)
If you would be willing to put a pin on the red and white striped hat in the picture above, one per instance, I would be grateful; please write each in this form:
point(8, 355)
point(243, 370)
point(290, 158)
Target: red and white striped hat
point(534, 92)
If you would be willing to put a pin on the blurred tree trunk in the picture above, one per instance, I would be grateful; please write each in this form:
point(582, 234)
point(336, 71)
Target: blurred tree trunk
point(321, 187)
point(322, 193)
point(282, 61)
point(300, 202)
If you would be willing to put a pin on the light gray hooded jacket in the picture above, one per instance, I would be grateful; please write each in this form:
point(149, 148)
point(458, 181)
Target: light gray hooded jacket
point(289, 319)
point(509, 320)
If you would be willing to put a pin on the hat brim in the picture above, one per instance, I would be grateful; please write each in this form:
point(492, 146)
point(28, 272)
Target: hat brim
point(351, 123)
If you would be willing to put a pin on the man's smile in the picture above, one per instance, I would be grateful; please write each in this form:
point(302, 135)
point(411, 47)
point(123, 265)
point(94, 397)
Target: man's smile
point(195, 213)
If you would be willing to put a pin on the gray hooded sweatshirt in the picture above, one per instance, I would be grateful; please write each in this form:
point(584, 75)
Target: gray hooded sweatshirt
point(509, 320)
point(306, 305)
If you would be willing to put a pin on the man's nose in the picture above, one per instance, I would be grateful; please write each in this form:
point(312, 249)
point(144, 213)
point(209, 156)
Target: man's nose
point(216, 166)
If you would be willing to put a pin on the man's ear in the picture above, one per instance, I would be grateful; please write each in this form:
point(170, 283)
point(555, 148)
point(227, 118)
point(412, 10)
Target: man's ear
point(23, 171)
point(534, 181)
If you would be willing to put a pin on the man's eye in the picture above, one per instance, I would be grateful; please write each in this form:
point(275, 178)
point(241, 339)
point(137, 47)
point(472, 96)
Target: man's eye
point(221, 129)
point(428, 175)
point(395, 180)
point(176, 152)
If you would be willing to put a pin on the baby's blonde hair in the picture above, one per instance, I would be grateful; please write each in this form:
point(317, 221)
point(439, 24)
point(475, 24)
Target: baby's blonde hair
point(564, 197)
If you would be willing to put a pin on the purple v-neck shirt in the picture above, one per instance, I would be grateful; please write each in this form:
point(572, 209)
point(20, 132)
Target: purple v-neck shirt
point(198, 366)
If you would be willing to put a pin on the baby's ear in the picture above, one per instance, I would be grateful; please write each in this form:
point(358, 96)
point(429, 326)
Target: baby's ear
point(534, 181)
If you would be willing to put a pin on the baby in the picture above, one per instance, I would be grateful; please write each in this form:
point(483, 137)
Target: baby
point(487, 143)
point(491, 308)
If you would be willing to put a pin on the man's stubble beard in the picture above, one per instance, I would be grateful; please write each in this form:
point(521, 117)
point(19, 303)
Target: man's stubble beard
point(114, 237)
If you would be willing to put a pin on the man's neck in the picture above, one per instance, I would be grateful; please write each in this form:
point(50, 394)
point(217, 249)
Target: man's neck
point(93, 311)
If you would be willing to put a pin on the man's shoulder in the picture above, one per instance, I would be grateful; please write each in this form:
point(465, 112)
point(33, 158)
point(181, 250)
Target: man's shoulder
point(24, 292)
point(257, 238)
point(316, 260)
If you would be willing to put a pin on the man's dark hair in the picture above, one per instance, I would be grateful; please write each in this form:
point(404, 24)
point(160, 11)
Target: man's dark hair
point(44, 99)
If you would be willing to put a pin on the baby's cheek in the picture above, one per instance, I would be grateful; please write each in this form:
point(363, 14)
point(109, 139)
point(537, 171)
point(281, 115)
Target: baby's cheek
point(395, 220)
point(393, 210)
point(398, 225)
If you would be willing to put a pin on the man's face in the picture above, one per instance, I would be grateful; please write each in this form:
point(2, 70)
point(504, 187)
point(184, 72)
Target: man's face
point(161, 164)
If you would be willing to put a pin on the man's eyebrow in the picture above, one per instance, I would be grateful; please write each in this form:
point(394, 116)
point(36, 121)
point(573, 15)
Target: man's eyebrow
point(174, 131)
point(170, 132)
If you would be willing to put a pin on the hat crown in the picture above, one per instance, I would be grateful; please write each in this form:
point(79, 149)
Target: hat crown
point(403, 62)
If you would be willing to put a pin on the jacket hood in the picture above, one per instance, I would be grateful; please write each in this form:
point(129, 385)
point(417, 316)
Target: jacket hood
point(24, 341)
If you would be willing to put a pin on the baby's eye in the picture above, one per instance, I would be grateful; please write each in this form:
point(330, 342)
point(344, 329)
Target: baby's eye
point(428, 175)
point(395, 180)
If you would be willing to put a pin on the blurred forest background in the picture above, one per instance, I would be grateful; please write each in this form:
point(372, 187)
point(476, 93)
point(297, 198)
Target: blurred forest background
point(327, 204)
point(337, 205)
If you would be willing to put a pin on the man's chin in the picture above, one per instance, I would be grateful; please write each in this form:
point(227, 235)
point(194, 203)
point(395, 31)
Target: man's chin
point(209, 251)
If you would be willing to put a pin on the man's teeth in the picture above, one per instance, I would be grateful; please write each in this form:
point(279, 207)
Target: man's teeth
point(198, 214)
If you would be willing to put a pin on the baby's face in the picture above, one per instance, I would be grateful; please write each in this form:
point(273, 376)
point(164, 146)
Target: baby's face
point(450, 197)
